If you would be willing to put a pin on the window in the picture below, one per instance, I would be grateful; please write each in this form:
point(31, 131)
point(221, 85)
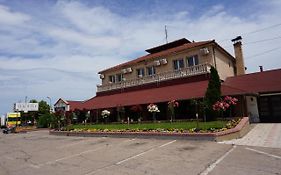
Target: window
point(119, 77)
point(112, 79)
point(140, 72)
point(192, 61)
point(178, 64)
point(151, 70)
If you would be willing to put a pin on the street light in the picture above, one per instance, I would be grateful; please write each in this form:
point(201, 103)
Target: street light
point(50, 104)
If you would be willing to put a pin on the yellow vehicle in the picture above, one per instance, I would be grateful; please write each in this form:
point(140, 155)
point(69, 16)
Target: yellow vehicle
point(13, 119)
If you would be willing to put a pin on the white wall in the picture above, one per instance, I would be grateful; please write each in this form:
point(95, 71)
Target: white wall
point(252, 108)
point(2, 121)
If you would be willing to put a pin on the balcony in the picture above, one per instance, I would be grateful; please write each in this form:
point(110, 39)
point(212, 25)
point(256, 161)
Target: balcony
point(186, 72)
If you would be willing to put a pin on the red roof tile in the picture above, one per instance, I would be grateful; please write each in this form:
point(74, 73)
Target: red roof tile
point(260, 82)
point(154, 95)
point(75, 105)
point(160, 54)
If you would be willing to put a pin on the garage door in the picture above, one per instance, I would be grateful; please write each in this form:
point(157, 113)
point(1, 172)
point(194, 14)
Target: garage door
point(270, 108)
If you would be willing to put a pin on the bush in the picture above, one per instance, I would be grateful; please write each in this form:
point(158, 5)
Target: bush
point(45, 120)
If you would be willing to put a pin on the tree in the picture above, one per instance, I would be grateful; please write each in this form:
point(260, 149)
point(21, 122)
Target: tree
point(213, 94)
point(171, 108)
point(45, 120)
point(44, 108)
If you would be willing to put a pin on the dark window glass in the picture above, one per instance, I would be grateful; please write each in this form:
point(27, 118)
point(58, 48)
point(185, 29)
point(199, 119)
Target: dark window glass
point(112, 78)
point(192, 61)
point(178, 64)
point(140, 72)
point(119, 77)
point(151, 70)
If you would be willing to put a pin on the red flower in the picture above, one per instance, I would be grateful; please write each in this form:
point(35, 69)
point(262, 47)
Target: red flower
point(173, 103)
point(225, 103)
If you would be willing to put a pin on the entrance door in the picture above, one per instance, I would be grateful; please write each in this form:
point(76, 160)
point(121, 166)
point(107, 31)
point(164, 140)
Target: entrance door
point(270, 108)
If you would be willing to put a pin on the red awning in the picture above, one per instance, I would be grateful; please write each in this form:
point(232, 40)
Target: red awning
point(155, 95)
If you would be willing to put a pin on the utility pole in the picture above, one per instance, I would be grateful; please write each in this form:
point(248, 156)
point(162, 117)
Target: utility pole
point(166, 34)
point(50, 104)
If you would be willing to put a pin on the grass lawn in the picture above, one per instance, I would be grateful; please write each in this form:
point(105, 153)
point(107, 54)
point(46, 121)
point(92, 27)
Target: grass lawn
point(153, 126)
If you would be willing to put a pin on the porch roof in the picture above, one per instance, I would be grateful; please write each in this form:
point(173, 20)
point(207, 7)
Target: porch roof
point(156, 95)
point(259, 82)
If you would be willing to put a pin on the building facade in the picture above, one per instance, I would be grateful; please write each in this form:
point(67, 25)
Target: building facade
point(180, 70)
point(175, 60)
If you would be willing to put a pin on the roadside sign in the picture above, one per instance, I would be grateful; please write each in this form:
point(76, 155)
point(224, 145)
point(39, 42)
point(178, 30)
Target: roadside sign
point(26, 107)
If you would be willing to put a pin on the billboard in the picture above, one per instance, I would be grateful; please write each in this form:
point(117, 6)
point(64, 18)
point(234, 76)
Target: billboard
point(26, 107)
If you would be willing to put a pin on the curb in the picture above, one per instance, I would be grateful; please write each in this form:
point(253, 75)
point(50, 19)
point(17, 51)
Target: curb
point(239, 131)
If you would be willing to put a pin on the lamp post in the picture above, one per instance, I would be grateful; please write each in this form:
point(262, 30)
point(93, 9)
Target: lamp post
point(50, 103)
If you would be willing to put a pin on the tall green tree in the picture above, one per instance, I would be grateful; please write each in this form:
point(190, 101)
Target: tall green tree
point(213, 93)
point(44, 108)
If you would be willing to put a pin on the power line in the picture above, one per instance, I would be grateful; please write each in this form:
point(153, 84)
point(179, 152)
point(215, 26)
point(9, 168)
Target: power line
point(254, 31)
point(263, 40)
point(258, 41)
point(262, 53)
point(262, 29)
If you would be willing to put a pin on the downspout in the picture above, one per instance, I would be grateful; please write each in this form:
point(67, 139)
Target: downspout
point(214, 57)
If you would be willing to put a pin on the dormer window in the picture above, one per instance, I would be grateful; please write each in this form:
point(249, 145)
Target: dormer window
point(178, 64)
point(192, 61)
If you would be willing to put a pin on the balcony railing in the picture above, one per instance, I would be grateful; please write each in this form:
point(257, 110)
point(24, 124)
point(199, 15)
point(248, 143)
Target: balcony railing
point(185, 72)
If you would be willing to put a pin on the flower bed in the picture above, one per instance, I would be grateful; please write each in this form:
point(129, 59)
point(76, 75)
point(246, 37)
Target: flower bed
point(180, 127)
point(240, 129)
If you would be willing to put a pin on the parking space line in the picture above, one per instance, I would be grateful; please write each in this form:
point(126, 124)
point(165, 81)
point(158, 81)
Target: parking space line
point(132, 157)
point(261, 152)
point(74, 155)
point(140, 154)
point(81, 141)
point(213, 165)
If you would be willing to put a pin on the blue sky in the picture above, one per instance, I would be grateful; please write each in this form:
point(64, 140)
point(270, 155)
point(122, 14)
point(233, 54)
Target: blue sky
point(55, 48)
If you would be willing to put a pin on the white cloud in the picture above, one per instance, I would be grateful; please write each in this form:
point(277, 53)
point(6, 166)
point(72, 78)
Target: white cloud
point(7, 17)
point(84, 40)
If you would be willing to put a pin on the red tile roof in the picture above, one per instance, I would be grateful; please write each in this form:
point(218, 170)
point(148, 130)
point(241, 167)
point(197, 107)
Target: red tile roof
point(259, 82)
point(154, 95)
point(72, 104)
point(75, 105)
point(160, 54)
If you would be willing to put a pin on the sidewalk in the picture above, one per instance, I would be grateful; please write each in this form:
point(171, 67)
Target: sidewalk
point(263, 135)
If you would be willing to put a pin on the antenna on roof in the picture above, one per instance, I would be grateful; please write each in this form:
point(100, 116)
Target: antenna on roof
point(166, 34)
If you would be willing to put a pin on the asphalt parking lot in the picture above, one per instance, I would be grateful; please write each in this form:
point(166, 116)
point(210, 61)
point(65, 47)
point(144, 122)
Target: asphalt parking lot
point(40, 153)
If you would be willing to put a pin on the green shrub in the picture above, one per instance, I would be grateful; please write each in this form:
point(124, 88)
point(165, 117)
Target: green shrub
point(45, 120)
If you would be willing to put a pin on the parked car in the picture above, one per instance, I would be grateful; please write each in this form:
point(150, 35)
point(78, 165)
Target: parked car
point(9, 130)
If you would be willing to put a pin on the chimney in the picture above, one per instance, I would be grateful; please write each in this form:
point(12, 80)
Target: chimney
point(261, 68)
point(239, 55)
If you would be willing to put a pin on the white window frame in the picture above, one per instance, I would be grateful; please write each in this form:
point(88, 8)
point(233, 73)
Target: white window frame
point(140, 72)
point(193, 57)
point(112, 79)
point(178, 67)
point(117, 78)
point(153, 71)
